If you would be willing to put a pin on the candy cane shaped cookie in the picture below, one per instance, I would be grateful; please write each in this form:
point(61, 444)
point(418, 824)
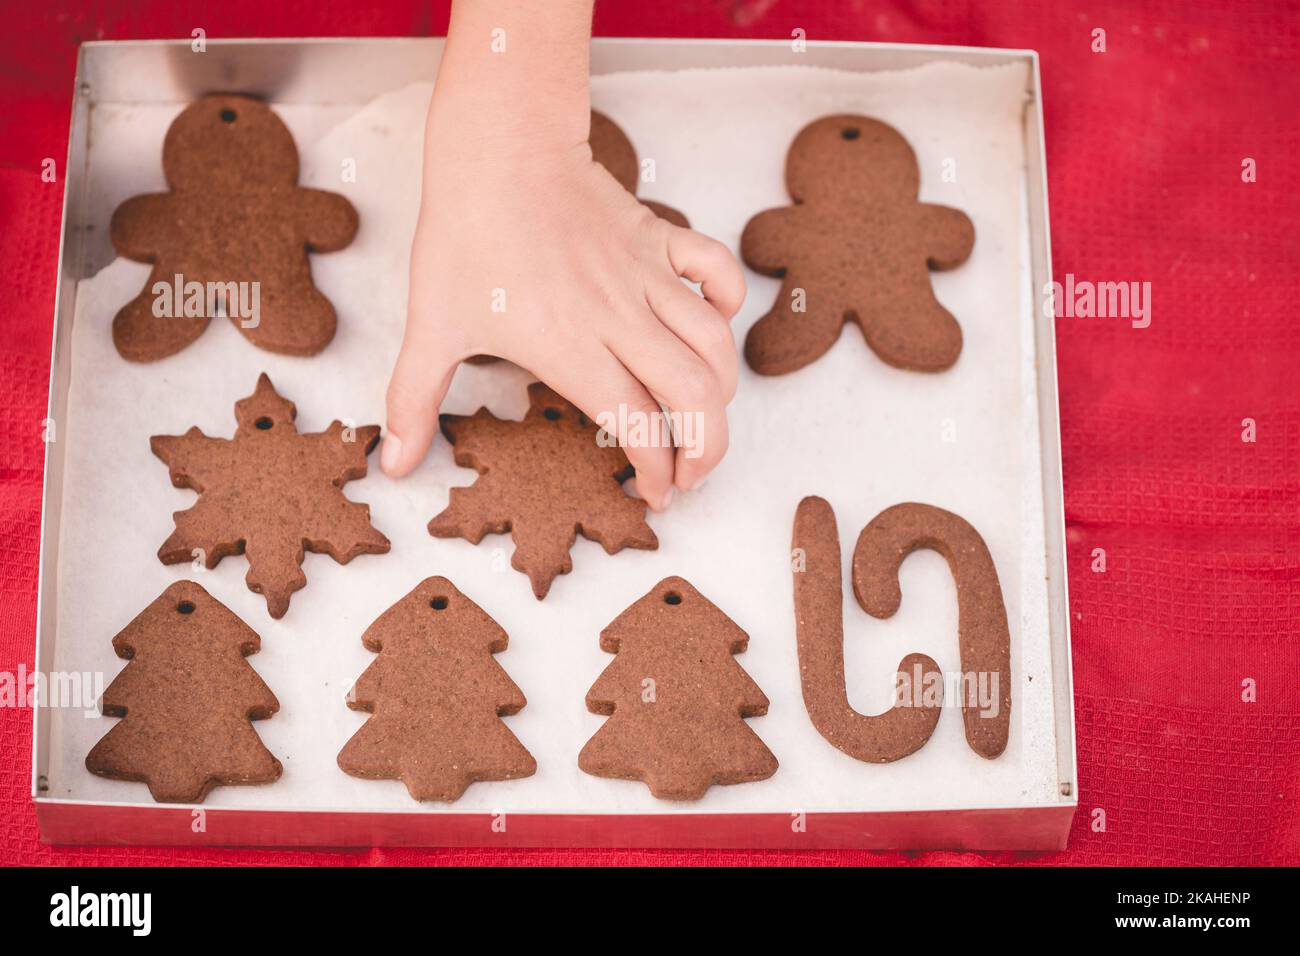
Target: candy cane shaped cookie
point(982, 632)
point(819, 628)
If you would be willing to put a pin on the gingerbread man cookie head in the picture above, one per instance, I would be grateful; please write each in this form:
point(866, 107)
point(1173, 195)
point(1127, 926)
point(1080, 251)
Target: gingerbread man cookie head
point(857, 246)
point(850, 157)
point(234, 125)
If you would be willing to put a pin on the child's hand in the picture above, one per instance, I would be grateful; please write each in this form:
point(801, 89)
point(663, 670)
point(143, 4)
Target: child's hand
point(542, 258)
point(528, 250)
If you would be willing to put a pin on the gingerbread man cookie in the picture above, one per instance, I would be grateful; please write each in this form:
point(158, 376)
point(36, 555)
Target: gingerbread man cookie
point(856, 246)
point(231, 237)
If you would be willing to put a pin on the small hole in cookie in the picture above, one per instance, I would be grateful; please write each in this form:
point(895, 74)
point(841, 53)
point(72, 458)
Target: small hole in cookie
point(552, 414)
point(673, 598)
point(185, 607)
point(439, 603)
point(263, 423)
point(228, 116)
point(850, 132)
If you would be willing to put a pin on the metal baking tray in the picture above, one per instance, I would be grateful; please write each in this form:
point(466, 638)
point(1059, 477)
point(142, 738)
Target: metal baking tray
point(344, 71)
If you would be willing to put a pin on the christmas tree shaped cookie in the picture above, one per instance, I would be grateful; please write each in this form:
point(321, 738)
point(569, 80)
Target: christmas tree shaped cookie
point(186, 700)
point(235, 227)
point(676, 698)
point(546, 479)
point(271, 493)
point(437, 697)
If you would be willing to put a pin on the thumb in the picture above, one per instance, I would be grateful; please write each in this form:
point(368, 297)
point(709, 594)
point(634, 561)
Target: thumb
point(420, 381)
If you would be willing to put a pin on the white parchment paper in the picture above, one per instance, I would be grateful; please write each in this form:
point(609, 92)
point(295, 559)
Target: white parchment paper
point(848, 427)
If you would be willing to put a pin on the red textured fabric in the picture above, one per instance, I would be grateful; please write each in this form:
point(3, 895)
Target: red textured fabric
point(1201, 530)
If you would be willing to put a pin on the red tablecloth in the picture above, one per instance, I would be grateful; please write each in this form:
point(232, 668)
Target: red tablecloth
point(1201, 530)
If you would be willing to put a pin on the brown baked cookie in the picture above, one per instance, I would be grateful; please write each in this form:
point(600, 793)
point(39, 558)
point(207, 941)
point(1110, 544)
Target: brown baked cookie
point(982, 630)
point(270, 493)
point(612, 149)
point(676, 699)
point(856, 246)
point(819, 630)
point(983, 635)
point(546, 479)
point(234, 215)
point(186, 700)
point(437, 696)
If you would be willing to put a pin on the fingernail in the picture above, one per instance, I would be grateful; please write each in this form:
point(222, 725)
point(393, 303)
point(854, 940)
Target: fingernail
point(699, 482)
point(666, 500)
point(391, 454)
